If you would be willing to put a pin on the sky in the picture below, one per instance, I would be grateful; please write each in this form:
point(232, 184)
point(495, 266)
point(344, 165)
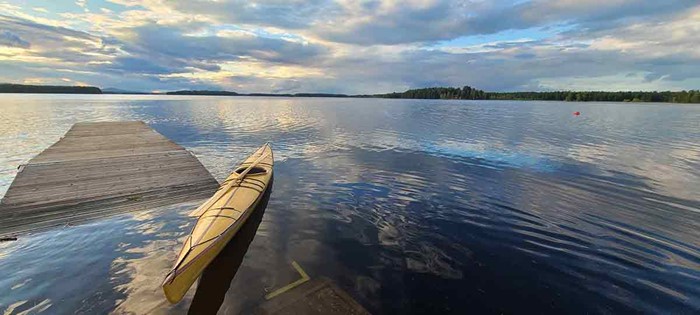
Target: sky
point(354, 47)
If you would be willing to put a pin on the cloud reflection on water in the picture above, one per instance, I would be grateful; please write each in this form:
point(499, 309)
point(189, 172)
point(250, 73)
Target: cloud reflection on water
point(475, 202)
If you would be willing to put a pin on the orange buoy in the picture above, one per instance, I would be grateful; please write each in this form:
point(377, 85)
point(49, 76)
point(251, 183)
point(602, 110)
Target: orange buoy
point(577, 113)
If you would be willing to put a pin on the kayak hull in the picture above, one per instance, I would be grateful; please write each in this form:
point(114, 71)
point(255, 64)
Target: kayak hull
point(219, 219)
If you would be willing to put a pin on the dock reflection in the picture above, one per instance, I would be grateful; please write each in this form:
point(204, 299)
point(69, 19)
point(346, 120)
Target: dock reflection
point(216, 278)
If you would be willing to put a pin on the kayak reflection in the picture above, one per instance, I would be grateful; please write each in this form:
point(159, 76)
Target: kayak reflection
point(217, 277)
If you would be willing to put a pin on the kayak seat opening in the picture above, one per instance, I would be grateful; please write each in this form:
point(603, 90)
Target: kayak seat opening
point(253, 171)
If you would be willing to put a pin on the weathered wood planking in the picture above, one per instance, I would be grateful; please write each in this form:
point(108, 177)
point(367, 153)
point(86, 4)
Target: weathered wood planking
point(316, 297)
point(98, 169)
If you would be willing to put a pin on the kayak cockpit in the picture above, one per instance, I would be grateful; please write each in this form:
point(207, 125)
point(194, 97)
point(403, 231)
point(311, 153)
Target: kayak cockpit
point(253, 171)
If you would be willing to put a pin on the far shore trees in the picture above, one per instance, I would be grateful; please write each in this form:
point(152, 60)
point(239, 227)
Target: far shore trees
point(470, 93)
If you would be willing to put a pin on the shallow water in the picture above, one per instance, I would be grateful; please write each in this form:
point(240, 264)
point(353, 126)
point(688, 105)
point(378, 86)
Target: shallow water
point(411, 206)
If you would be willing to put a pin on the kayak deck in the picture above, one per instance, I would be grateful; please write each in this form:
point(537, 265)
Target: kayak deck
point(219, 218)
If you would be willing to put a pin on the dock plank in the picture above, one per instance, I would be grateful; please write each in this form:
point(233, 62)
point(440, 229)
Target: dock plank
point(98, 169)
point(318, 296)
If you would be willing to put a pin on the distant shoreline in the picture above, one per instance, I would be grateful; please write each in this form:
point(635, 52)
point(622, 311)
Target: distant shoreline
point(443, 93)
point(48, 89)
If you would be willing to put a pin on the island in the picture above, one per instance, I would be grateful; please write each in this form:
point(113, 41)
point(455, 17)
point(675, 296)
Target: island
point(470, 93)
point(442, 93)
point(48, 89)
point(230, 93)
point(202, 92)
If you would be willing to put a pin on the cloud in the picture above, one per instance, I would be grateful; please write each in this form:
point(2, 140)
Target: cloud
point(137, 65)
point(430, 21)
point(21, 25)
point(52, 45)
point(294, 14)
point(661, 52)
point(127, 3)
point(172, 42)
point(156, 50)
point(167, 53)
point(351, 46)
point(10, 39)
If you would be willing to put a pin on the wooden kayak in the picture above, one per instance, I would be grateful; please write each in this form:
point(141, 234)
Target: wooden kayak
point(220, 218)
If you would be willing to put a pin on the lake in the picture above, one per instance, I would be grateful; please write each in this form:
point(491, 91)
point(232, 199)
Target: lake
point(411, 206)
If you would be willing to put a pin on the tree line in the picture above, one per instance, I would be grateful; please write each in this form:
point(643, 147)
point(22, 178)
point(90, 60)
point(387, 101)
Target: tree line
point(202, 92)
point(231, 93)
point(464, 93)
point(53, 89)
point(470, 93)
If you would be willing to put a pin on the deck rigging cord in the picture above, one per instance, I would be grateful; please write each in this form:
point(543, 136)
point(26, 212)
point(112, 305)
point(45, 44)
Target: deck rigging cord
point(229, 184)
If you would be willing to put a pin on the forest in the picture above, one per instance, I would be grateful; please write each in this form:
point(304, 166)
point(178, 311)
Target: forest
point(470, 93)
point(202, 92)
point(450, 93)
point(53, 89)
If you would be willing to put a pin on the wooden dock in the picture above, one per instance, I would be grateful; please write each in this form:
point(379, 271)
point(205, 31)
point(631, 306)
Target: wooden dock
point(98, 169)
point(316, 297)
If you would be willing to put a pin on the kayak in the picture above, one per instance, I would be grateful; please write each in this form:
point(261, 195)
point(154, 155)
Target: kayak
point(219, 218)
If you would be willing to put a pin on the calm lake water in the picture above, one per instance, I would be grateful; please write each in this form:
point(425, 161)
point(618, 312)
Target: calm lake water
point(411, 206)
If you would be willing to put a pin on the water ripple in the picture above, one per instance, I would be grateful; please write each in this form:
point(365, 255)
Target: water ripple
point(412, 206)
